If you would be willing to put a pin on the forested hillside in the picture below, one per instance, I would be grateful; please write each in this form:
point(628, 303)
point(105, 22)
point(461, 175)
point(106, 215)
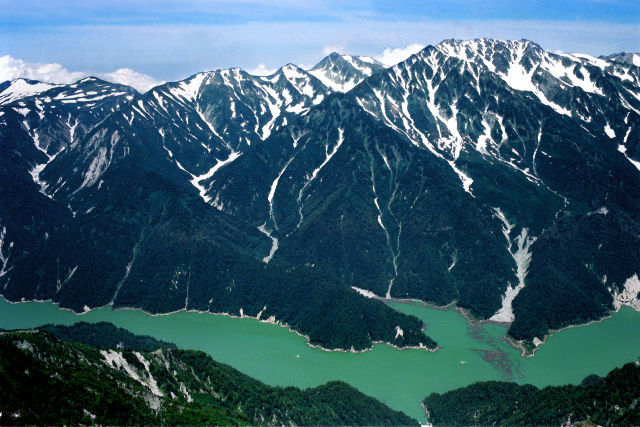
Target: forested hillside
point(48, 381)
point(612, 400)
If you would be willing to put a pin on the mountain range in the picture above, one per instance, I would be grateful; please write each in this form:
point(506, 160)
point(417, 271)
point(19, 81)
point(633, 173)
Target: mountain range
point(493, 174)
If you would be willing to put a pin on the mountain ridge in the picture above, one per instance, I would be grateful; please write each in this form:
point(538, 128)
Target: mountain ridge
point(458, 174)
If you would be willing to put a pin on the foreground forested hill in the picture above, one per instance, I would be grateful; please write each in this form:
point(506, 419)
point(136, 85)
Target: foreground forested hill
point(612, 400)
point(45, 380)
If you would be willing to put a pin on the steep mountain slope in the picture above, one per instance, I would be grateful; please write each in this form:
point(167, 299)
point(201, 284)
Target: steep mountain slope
point(504, 115)
point(490, 173)
point(495, 120)
point(34, 130)
point(57, 116)
point(372, 206)
point(131, 197)
point(45, 119)
point(77, 383)
point(203, 123)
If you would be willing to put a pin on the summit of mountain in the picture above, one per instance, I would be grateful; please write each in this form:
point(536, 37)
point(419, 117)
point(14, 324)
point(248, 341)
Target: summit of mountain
point(342, 73)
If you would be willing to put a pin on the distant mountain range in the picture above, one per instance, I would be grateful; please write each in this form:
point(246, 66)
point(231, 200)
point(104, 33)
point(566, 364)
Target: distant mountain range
point(493, 174)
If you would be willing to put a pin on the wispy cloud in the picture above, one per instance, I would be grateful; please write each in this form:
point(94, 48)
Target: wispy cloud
point(14, 68)
point(126, 76)
point(333, 48)
point(262, 70)
point(391, 56)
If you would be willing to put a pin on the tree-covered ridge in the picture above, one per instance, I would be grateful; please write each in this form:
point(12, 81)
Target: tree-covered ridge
point(106, 335)
point(48, 381)
point(612, 400)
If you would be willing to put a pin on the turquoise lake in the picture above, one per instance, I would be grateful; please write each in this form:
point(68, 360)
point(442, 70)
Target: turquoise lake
point(400, 378)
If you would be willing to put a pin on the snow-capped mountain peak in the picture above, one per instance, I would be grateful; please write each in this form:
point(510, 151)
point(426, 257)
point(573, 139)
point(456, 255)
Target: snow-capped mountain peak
point(342, 73)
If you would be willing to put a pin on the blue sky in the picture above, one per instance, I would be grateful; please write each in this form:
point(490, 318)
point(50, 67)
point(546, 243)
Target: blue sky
point(171, 39)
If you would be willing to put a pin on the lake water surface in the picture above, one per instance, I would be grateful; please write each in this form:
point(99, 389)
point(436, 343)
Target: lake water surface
point(400, 378)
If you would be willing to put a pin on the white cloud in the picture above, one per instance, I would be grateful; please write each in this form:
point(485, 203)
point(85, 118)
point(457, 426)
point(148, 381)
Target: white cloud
point(126, 76)
point(262, 70)
point(391, 57)
point(14, 68)
point(330, 49)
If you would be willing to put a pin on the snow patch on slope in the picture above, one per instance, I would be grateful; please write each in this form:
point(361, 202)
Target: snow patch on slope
point(263, 228)
point(314, 174)
point(629, 294)
point(519, 79)
point(4, 256)
point(610, 132)
point(198, 179)
point(189, 89)
point(623, 150)
point(274, 243)
point(21, 88)
point(331, 80)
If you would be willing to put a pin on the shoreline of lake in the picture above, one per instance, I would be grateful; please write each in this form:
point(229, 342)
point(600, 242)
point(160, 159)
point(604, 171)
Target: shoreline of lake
point(401, 379)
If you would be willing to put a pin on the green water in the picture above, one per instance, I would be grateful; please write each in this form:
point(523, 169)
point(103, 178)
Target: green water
point(401, 379)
